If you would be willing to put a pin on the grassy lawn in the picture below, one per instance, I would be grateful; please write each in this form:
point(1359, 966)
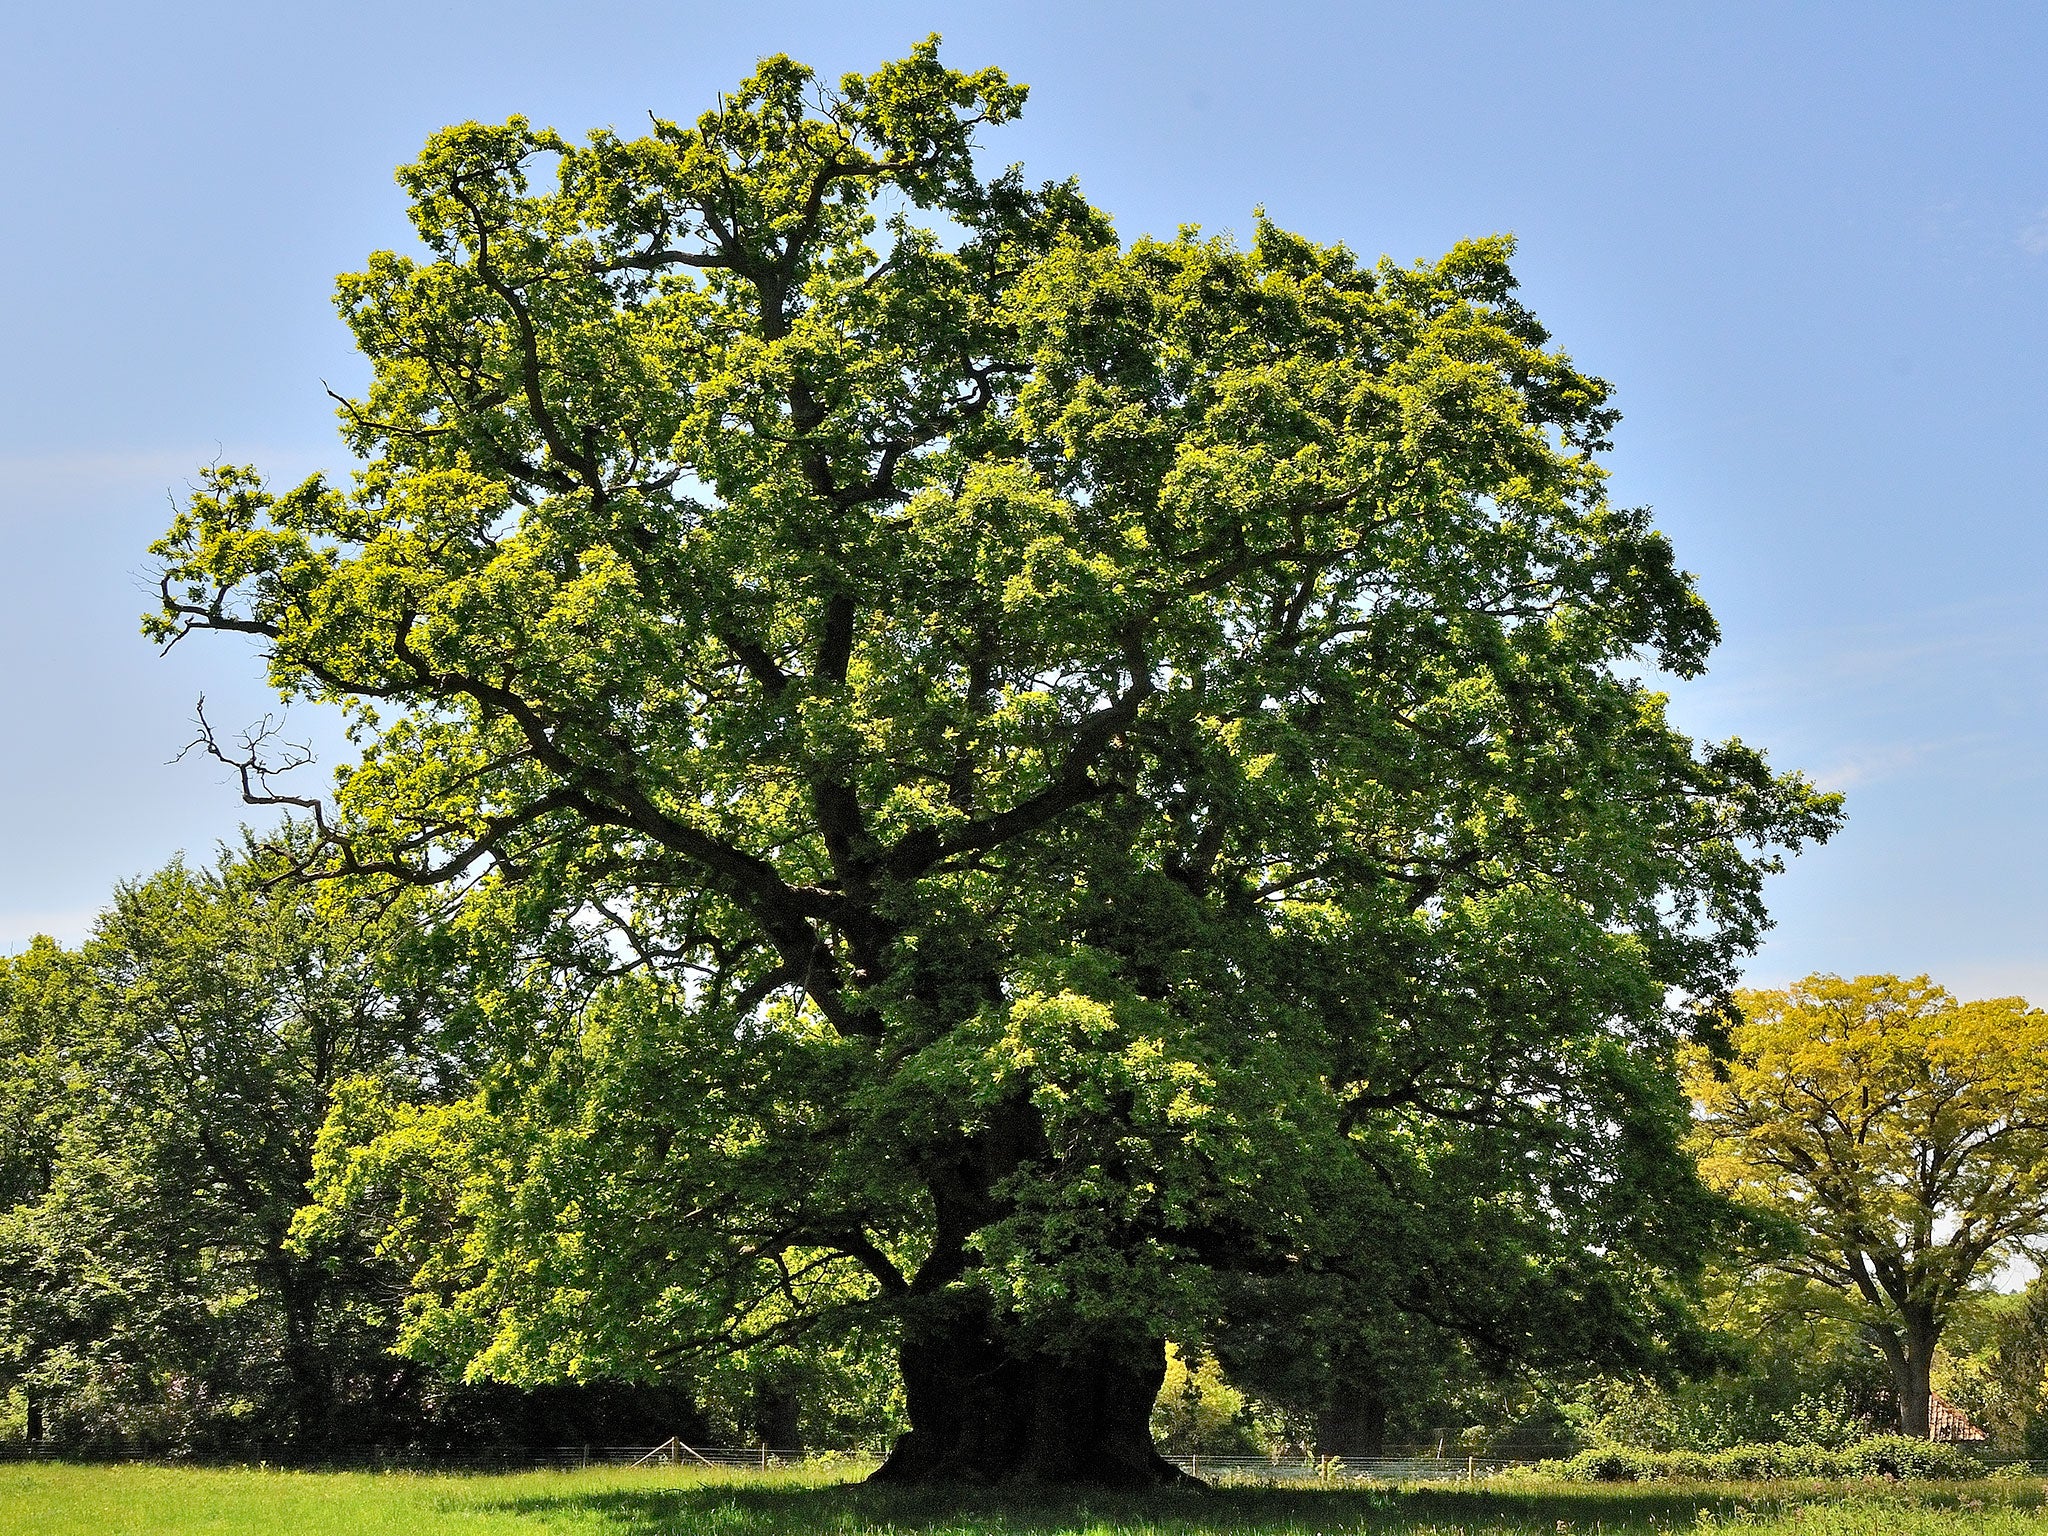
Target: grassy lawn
point(51, 1500)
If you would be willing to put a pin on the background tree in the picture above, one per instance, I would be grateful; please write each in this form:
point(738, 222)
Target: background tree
point(1999, 1373)
point(1351, 1380)
point(1903, 1132)
point(1772, 1369)
point(1199, 1412)
point(1106, 768)
point(198, 1035)
point(37, 991)
point(162, 1090)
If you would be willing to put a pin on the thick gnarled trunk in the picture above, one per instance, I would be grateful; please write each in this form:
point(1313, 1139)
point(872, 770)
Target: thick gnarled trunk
point(986, 1410)
point(988, 1404)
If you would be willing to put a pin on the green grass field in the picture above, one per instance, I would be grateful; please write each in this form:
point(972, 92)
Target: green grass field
point(49, 1500)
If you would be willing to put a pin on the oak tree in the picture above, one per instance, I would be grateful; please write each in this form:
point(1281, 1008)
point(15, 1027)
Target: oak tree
point(1903, 1133)
point(1034, 779)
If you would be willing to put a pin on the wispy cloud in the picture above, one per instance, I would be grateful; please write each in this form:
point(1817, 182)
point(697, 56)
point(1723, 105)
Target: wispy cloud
point(42, 476)
point(1939, 692)
point(101, 467)
point(2034, 236)
point(66, 926)
point(1891, 760)
point(1799, 664)
point(1998, 978)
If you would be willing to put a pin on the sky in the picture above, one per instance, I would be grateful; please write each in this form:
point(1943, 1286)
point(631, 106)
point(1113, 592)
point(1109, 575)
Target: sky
point(1808, 244)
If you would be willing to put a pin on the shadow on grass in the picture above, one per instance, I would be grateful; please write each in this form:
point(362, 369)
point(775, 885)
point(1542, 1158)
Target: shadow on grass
point(853, 1510)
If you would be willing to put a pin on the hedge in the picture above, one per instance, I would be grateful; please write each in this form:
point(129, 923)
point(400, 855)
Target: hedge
point(1879, 1456)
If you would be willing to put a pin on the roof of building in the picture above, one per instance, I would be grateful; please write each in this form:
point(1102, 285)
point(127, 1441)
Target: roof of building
point(1945, 1421)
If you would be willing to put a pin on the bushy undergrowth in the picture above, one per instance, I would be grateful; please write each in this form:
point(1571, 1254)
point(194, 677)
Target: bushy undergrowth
point(1898, 1456)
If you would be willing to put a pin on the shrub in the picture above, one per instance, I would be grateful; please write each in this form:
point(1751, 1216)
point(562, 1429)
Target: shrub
point(1903, 1456)
point(1751, 1463)
point(1878, 1456)
point(1611, 1464)
point(1808, 1459)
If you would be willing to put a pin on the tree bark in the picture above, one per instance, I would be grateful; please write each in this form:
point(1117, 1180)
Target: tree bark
point(777, 1415)
point(987, 1409)
point(988, 1405)
point(1909, 1352)
point(1916, 1387)
point(1353, 1421)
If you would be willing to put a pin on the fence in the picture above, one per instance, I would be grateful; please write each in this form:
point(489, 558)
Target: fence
point(558, 1458)
point(1425, 1466)
point(681, 1454)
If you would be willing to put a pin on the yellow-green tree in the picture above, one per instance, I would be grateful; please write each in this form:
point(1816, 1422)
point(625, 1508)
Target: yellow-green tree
point(1906, 1135)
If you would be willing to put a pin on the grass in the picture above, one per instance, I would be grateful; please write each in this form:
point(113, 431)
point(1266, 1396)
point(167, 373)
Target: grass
point(53, 1500)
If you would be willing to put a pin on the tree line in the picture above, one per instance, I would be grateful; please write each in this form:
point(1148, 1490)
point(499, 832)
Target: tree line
point(163, 1087)
point(195, 1255)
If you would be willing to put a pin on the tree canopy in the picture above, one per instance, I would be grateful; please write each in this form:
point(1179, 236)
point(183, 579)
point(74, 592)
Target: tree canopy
point(1032, 787)
point(179, 1067)
point(163, 1089)
point(1903, 1133)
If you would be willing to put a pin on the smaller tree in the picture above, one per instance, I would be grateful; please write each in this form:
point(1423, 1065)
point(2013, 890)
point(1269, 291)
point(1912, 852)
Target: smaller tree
point(1199, 1412)
point(161, 1089)
point(1905, 1134)
point(2018, 1371)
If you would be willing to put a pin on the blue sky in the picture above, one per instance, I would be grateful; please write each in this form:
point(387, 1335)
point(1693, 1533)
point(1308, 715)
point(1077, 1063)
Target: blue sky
point(1807, 243)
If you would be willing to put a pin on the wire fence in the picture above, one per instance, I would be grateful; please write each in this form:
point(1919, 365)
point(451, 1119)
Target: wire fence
point(556, 1458)
point(1425, 1466)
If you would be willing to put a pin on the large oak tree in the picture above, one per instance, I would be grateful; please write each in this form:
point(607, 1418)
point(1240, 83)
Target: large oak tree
point(1047, 786)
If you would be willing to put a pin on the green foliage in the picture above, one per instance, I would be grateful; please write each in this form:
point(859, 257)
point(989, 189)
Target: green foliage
point(1016, 783)
point(174, 1073)
point(1351, 1379)
point(1903, 1135)
point(1892, 1456)
point(1824, 1419)
point(1764, 1403)
point(1993, 1366)
point(36, 988)
point(1771, 1368)
point(1200, 1412)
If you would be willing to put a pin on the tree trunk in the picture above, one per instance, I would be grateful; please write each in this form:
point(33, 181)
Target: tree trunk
point(1353, 1421)
point(987, 1406)
point(1909, 1351)
point(777, 1414)
point(987, 1410)
point(1914, 1385)
point(309, 1410)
